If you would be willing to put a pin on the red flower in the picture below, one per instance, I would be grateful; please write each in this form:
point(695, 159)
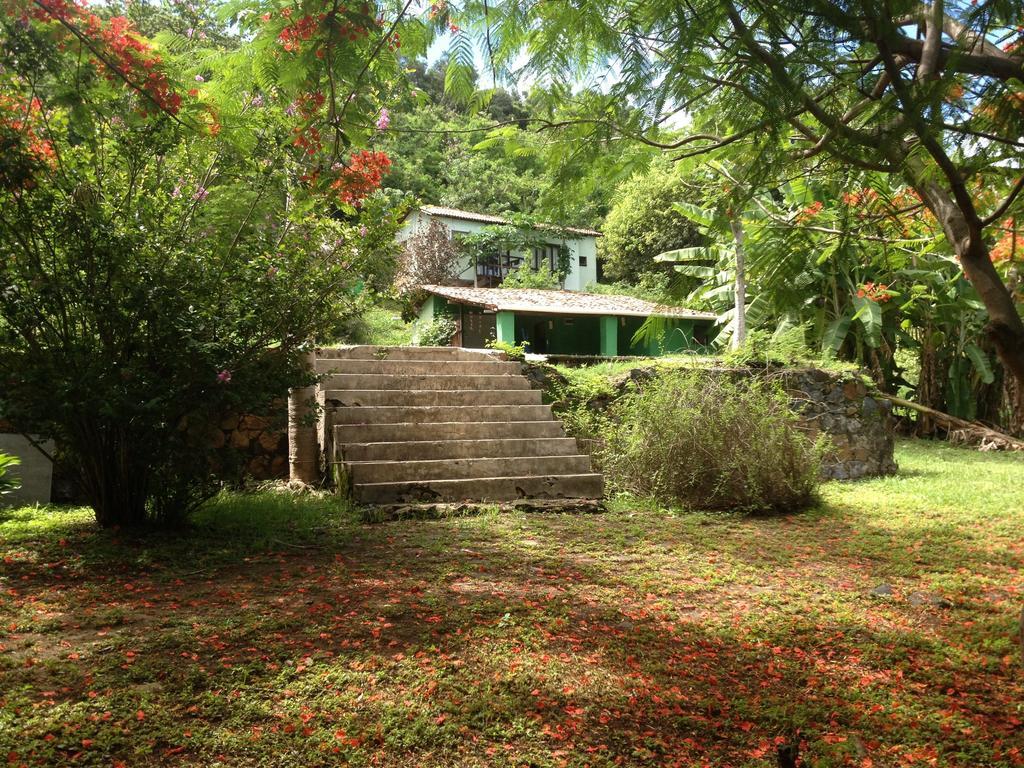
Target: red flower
point(363, 174)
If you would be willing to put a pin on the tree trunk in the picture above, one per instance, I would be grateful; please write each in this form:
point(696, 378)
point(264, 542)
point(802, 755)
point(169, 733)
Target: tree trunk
point(740, 334)
point(1005, 328)
point(964, 232)
point(115, 486)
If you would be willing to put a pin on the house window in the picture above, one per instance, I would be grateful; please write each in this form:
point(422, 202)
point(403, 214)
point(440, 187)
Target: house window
point(583, 261)
point(546, 254)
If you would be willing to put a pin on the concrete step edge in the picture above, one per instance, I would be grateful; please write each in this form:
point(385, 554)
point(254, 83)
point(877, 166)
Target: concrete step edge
point(468, 459)
point(468, 480)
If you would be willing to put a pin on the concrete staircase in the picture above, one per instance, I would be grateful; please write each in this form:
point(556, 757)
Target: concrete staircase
point(443, 424)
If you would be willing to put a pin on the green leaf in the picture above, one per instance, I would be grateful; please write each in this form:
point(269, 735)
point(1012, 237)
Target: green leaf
point(870, 315)
point(981, 362)
point(697, 253)
point(695, 214)
point(835, 335)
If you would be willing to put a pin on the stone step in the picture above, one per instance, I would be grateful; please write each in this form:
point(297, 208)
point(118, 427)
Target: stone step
point(353, 397)
point(370, 352)
point(363, 472)
point(366, 381)
point(491, 367)
point(453, 430)
point(432, 414)
point(580, 486)
point(459, 449)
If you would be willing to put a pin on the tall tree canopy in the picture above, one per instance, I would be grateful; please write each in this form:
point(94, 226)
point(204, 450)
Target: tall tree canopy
point(930, 93)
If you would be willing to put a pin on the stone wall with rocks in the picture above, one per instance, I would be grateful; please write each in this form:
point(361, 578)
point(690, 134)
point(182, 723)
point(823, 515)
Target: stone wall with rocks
point(261, 441)
point(860, 427)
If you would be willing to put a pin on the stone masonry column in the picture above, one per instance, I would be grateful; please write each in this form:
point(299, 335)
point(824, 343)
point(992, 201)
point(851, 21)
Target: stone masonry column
point(505, 327)
point(303, 451)
point(609, 336)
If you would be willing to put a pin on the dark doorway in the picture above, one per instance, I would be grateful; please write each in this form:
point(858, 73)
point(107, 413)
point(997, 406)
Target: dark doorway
point(477, 328)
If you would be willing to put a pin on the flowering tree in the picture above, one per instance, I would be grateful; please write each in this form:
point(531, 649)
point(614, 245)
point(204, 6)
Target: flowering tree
point(177, 220)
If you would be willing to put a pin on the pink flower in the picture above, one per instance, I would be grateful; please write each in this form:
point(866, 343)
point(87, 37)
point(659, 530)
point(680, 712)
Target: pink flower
point(200, 79)
point(384, 120)
point(201, 194)
point(224, 377)
point(363, 231)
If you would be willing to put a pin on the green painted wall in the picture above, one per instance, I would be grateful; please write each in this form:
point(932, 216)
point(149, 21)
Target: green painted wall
point(505, 323)
point(609, 336)
point(583, 335)
point(678, 337)
point(554, 335)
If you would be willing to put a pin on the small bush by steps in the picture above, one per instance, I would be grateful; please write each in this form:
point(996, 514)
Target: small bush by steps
point(711, 443)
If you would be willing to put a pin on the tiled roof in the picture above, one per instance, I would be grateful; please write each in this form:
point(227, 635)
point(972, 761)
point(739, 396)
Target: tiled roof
point(560, 302)
point(486, 218)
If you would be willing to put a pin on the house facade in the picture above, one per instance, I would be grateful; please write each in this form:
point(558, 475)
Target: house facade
point(566, 322)
point(581, 245)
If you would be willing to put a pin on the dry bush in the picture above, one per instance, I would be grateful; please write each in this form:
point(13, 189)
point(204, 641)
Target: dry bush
point(706, 442)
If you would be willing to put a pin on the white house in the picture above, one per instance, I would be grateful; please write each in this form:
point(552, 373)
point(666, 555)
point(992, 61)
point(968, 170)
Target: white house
point(568, 321)
point(582, 245)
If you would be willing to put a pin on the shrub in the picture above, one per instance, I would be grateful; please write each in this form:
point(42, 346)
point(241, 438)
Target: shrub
point(168, 299)
point(439, 333)
point(514, 352)
point(703, 441)
point(643, 222)
point(525, 276)
point(8, 483)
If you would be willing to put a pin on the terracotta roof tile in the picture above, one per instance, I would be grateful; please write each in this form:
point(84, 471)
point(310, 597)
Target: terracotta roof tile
point(486, 218)
point(561, 302)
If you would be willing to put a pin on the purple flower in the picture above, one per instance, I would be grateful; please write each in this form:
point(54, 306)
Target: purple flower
point(291, 109)
point(201, 194)
point(363, 231)
point(176, 192)
point(384, 120)
point(257, 101)
point(224, 377)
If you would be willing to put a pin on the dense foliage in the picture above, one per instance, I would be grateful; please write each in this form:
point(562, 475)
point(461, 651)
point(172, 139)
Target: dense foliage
point(166, 251)
point(704, 442)
point(926, 94)
point(8, 483)
point(438, 333)
point(834, 257)
point(643, 223)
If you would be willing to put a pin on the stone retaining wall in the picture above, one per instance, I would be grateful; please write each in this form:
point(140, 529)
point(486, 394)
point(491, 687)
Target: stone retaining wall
point(262, 442)
point(859, 426)
point(838, 404)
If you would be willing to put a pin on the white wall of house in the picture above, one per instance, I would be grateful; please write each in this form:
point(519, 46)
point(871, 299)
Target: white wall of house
point(582, 249)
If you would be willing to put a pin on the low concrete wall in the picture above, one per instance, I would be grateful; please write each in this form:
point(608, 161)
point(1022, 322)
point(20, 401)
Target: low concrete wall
point(35, 471)
point(838, 404)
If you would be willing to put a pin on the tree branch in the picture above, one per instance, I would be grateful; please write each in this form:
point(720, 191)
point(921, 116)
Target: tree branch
point(1005, 205)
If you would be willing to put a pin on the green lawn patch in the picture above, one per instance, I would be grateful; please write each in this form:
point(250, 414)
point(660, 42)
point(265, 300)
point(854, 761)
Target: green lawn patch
point(283, 631)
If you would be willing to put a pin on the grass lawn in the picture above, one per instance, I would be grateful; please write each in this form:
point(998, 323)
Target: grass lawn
point(283, 632)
